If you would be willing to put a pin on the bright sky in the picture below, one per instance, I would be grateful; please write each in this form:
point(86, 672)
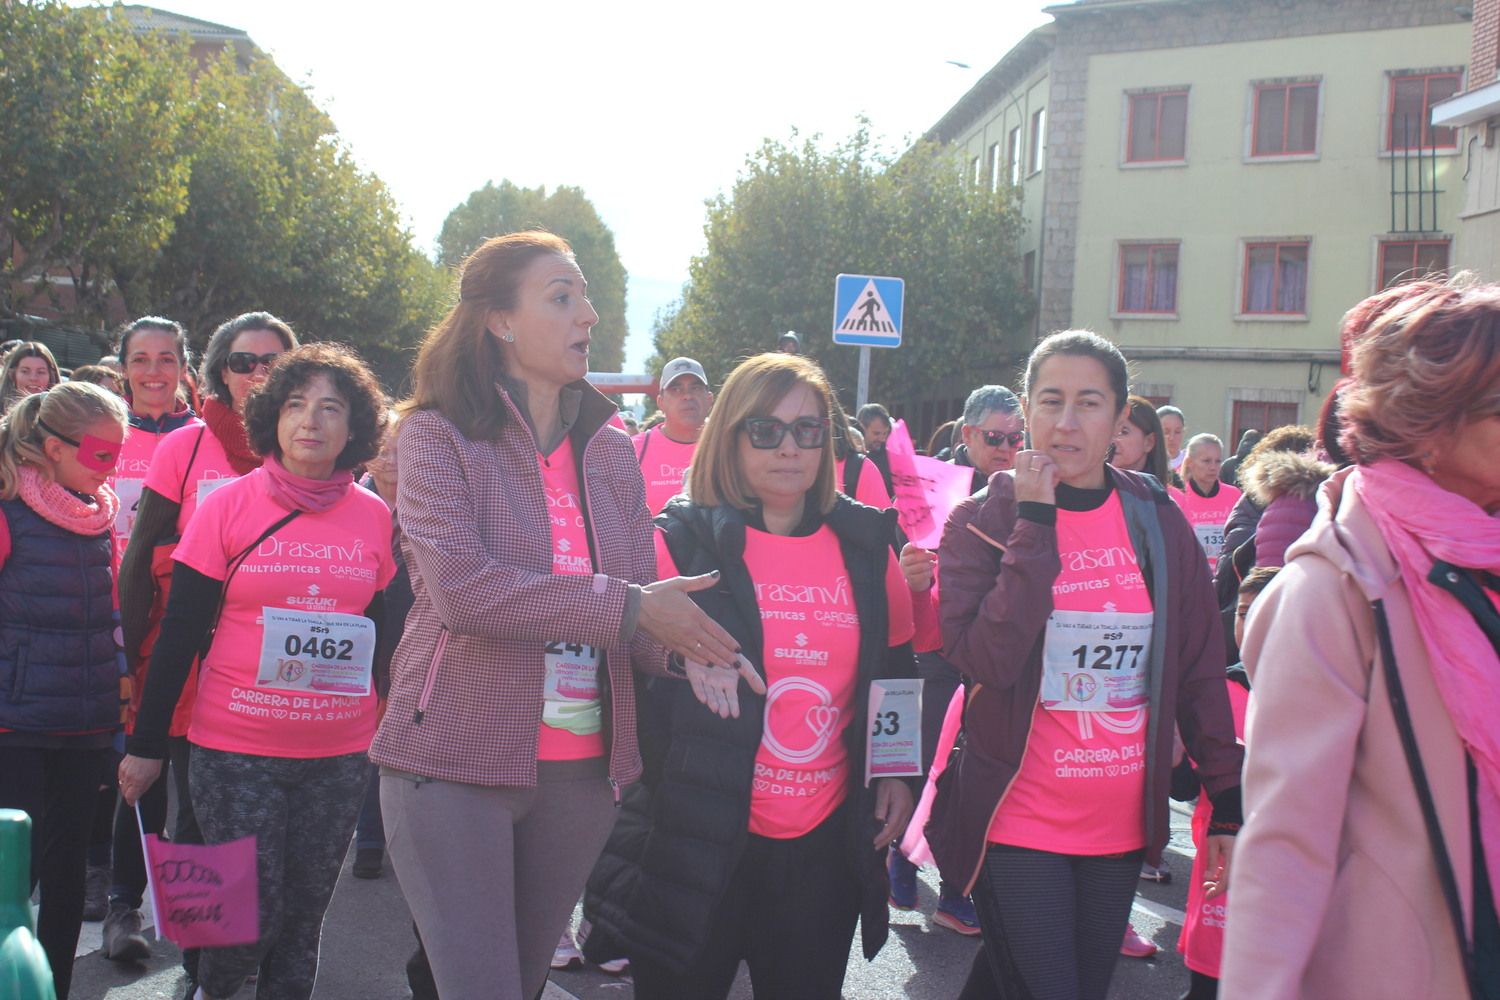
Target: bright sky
point(649, 108)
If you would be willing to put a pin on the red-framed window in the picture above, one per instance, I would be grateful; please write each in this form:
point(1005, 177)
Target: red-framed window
point(1261, 416)
point(1408, 260)
point(1148, 278)
point(1157, 127)
point(1275, 279)
point(1286, 119)
point(1038, 137)
point(1410, 120)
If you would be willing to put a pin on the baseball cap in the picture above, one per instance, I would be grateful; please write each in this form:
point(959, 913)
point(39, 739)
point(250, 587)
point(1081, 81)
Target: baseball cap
point(681, 366)
point(790, 335)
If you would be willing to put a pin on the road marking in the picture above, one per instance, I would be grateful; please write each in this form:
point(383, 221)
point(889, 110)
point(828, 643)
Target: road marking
point(556, 992)
point(1160, 911)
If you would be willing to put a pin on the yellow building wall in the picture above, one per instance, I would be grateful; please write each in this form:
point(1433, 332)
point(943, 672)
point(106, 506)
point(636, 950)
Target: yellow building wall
point(1218, 199)
point(1027, 98)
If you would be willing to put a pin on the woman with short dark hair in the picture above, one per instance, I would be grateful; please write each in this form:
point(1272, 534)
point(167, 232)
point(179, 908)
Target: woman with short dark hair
point(1373, 781)
point(1077, 604)
point(281, 575)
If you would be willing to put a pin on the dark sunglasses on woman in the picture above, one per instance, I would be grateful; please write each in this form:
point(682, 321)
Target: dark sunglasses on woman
point(768, 432)
point(243, 362)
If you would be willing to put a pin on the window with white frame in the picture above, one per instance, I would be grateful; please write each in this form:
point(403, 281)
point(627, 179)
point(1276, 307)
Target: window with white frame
point(1147, 278)
point(1285, 119)
point(1156, 126)
point(1275, 278)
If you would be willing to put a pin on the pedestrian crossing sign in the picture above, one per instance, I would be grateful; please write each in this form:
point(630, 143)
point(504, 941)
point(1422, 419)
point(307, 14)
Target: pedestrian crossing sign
point(867, 310)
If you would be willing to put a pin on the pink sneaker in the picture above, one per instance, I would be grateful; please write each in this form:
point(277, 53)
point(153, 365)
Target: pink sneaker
point(1136, 946)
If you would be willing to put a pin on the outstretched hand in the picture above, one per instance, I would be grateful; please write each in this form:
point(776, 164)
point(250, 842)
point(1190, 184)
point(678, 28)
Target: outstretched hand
point(719, 687)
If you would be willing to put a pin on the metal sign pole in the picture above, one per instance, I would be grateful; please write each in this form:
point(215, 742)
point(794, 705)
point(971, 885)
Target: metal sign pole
point(863, 394)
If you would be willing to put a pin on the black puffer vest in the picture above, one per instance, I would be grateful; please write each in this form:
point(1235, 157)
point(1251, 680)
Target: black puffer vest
point(60, 666)
point(655, 889)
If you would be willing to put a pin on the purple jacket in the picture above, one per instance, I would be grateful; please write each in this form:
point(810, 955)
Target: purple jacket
point(1285, 485)
point(994, 610)
point(466, 680)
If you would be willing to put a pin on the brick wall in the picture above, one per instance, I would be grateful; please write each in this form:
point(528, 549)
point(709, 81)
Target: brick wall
point(1083, 32)
point(1486, 51)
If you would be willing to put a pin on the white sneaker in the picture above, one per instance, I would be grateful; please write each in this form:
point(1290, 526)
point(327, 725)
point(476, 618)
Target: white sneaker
point(566, 955)
point(614, 966)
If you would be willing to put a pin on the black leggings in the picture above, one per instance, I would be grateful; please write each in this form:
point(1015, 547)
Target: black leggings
point(1052, 923)
point(59, 789)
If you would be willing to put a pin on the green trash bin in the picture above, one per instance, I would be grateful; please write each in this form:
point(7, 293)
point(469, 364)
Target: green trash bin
point(24, 972)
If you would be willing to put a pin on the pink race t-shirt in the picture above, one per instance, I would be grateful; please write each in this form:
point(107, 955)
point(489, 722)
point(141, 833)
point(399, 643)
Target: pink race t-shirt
point(1208, 516)
point(811, 661)
point(1081, 787)
point(572, 726)
point(135, 462)
point(252, 693)
point(664, 466)
point(869, 488)
point(171, 477)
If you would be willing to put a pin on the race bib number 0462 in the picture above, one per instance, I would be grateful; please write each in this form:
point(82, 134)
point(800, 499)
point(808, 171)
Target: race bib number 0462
point(1096, 661)
point(320, 651)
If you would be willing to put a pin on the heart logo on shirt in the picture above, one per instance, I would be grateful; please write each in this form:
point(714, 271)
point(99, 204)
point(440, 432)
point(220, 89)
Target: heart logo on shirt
point(278, 713)
point(823, 720)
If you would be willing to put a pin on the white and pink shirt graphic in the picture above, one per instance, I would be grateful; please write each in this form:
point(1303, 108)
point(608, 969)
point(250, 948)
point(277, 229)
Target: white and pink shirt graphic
point(810, 657)
point(1081, 786)
point(572, 714)
point(664, 465)
point(1208, 516)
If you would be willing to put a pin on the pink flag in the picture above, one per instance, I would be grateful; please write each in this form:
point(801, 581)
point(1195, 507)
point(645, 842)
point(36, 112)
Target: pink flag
point(926, 489)
point(204, 897)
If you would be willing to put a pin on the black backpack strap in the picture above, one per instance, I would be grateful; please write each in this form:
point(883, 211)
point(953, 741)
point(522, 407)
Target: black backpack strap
point(234, 564)
point(187, 472)
point(853, 466)
point(640, 453)
point(1440, 856)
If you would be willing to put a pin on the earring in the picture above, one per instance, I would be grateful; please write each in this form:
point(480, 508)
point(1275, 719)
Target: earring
point(1429, 463)
point(509, 338)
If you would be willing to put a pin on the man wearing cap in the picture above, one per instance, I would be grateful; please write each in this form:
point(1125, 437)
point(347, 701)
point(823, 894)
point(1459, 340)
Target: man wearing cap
point(666, 450)
point(789, 343)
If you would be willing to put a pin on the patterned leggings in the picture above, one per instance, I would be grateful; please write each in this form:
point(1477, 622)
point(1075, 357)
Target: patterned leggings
point(1052, 923)
point(302, 814)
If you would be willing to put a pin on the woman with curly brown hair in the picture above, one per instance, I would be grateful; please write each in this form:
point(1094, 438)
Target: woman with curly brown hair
point(280, 576)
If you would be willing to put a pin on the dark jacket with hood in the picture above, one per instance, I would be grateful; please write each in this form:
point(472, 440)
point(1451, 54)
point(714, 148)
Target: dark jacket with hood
point(1285, 486)
point(961, 457)
point(669, 859)
point(995, 606)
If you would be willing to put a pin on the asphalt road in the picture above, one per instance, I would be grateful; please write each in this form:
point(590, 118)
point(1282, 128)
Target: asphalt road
point(367, 939)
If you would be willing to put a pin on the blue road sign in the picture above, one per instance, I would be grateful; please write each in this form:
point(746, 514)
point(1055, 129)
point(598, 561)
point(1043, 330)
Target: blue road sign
point(867, 310)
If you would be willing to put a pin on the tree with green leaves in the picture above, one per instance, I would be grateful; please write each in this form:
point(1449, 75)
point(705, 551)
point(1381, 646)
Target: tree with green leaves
point(193, 191)
point(495, 210)
point(92, 161)
point(799, 214)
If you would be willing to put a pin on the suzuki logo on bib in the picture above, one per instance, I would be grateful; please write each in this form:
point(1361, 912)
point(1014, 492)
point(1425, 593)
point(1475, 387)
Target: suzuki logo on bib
point(819, 724)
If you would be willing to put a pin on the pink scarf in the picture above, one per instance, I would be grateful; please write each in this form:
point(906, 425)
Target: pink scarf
point(311, 496)
point(64, 509)
point(1421, 522)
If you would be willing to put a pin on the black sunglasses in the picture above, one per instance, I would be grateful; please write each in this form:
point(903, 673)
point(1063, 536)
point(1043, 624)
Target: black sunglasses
point(243, 362)
point(768, 432)
point(996, 438)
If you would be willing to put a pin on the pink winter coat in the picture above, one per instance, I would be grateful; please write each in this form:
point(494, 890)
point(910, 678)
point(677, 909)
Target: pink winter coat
point(1335, 892)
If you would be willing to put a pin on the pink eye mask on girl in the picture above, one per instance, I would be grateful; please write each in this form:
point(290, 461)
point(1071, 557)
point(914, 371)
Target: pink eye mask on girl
point(91, 448)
